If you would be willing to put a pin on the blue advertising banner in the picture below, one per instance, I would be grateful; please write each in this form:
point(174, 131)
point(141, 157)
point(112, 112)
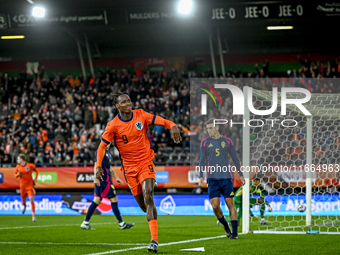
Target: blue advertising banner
point(44, 205)
point(162, 176)
point(322, 205)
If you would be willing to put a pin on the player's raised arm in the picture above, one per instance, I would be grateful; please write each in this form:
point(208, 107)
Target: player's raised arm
point(157, 120)
point(233, 154)
point(106, 139)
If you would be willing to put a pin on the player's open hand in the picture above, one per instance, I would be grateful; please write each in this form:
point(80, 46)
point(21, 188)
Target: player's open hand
point(176, 134)
point(99, 173)
point(243, 180)
point(120, 182)
point(270, 208)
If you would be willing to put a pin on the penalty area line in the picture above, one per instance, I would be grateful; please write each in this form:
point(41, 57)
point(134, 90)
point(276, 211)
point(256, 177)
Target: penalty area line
point(164, 244)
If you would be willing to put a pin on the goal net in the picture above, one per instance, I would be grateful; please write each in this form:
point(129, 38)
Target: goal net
point(298, 159)
point(297, 156)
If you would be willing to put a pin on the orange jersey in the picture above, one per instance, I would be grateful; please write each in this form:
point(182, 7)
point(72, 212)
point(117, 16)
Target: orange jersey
point(129, 136)
point(26, 179)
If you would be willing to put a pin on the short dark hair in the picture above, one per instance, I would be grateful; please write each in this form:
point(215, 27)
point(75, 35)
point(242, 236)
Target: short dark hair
point(22, 156)
point(116, 96)
point(210, 121)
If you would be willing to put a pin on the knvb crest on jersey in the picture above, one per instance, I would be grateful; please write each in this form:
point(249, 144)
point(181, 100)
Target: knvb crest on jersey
point(139, 125)
point(27, 169)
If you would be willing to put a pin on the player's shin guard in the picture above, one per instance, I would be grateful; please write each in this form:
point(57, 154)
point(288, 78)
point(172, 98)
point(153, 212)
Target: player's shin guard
point(154, 230)
point(116, 212)
point(33, 208)
point(90, 211)
point(234, 224)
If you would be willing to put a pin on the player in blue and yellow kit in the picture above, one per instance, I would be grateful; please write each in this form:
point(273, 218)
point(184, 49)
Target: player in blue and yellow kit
point(106, 189)
point(214, 160)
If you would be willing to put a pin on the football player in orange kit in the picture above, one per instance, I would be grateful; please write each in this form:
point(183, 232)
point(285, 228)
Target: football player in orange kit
point(24, 171)
point(128, 132)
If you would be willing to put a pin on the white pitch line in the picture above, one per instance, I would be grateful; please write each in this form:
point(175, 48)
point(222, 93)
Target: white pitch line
point(46, 226)
point(164, 244)
point(74, 244)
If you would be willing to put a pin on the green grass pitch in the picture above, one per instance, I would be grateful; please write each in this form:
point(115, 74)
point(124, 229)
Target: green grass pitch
point(62, 235)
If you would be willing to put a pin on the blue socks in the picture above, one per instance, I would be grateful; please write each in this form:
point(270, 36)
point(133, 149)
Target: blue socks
point(234, 224)
point(223, 221)
point(116, 212)
point(93, 207)
point(90, 211)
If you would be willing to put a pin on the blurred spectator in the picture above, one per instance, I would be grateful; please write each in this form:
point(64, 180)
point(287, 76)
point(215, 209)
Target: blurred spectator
point(185, 100)
point(59, 134)
point(78, 115)
point(86, 157)
point(53, 121)
point(103, 116)
point(160, 157)
point(88, 119)
point(163, 140)
point(155, 141)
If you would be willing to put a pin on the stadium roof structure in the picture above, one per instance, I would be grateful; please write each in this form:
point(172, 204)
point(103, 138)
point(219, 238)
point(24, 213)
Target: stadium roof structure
point(150, 28)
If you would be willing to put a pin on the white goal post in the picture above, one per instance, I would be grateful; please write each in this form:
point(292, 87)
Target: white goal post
point(310, 150)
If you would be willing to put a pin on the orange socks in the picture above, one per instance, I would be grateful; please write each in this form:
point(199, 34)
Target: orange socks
point(33, 208)
point(154, 230)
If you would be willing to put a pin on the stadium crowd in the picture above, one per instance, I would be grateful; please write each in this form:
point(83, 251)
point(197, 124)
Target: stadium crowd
point(59, 120)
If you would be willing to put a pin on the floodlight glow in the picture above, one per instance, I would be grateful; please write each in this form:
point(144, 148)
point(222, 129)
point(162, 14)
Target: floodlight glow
point(38, 12)
point(185, 6)
point(4, 37)
point(279, 27)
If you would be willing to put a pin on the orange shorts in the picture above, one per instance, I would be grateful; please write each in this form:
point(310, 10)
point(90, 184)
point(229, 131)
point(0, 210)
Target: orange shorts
point(27, 192)
point(136, 175)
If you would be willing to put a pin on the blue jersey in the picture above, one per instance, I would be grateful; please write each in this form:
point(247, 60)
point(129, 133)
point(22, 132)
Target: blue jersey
point(106, 164)
point(214, 158)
